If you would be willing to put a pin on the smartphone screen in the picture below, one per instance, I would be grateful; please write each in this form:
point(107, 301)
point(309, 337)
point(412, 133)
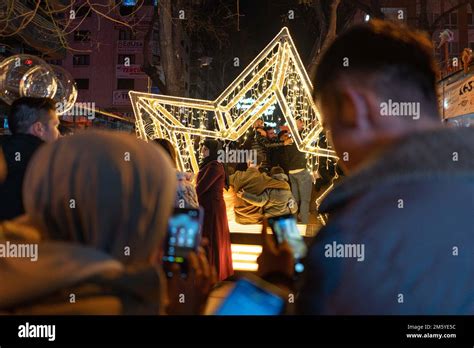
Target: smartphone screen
point(183, 236)
point(284, 228)
point(250, 298)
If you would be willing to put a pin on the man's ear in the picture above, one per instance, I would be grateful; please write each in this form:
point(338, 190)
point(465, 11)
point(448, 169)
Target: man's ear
point(354, 109)
point(37, 129)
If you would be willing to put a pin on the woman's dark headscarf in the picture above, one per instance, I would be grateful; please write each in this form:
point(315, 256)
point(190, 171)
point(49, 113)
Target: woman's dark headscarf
point(214, 147)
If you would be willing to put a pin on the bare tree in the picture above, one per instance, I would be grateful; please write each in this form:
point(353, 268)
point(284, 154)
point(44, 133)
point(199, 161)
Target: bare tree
point(46, 25)
point(332, 17)
point(327, 29)
point(175, 19)
point(170, 33)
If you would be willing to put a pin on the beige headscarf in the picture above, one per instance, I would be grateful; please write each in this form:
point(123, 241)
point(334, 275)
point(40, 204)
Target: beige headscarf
point(106, 190)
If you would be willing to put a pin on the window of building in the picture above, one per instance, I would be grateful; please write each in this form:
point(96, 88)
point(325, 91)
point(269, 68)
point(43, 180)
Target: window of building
point(125, 84)
point(55, 61)
point(83, 11)
point(125, 34)
point(126, 10)
point(454, 48)
point(470, 20)
point(80, 59)
point(452, 20)
point(150, 2)
point(471, 45)
point(435, 17)
point(82, 35)
point(82, 83)
point(61, 15)
point(121, 58)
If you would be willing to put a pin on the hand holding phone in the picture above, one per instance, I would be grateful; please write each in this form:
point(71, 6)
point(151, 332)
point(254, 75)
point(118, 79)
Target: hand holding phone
point(183, 236)
point(195, 287)
point(275, 258)
point(285, 230)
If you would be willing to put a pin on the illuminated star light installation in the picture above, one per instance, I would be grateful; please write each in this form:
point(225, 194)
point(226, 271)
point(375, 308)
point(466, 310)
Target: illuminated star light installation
point(276, 75)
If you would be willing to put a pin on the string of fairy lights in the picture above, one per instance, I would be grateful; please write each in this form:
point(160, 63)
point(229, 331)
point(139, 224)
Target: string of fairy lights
point(275, 77)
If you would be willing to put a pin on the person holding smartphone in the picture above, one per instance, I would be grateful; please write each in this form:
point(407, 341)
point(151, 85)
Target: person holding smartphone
point(107, 248)
point(398, 223)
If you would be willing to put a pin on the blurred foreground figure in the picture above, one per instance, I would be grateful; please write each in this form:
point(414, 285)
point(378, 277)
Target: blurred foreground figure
point(32, 121)
point(400, 237)
point(101, 209)
point(186, 196)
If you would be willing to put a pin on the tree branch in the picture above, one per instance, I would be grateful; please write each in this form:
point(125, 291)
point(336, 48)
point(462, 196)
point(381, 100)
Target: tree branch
point(150, 69)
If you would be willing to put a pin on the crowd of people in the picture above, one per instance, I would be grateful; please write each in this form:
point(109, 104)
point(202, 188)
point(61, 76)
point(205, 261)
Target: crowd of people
point(278, 150)
point(97, 203)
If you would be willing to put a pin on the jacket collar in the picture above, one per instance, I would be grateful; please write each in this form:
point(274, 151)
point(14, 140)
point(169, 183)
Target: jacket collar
point(28, 137)
point(430, 154)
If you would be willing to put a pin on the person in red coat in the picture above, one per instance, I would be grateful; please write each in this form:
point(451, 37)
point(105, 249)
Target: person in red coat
point(211, 181)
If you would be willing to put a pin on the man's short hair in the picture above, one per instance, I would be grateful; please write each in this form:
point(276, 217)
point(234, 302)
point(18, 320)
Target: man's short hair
point(392, 60)
point(25, 111)
point(282, 133)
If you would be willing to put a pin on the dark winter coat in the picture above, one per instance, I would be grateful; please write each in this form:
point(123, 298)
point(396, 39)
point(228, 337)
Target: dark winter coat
point(210, 191)
point(17, 150)
point(412, 210)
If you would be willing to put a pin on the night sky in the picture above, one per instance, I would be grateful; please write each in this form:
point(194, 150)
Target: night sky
point(260, 21)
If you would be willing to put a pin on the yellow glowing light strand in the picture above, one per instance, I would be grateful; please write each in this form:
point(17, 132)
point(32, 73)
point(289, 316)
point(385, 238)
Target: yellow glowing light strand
point(276, 75)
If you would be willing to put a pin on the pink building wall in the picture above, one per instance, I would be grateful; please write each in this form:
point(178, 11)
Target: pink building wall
point(103, 50)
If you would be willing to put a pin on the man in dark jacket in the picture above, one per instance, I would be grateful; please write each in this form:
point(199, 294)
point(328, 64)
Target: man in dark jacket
point(257, 141)
point(300, 179)
point(31, 121)
point(399, 238)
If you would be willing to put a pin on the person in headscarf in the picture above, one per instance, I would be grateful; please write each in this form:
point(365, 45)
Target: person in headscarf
point(186, 196)
point(101, 208)
point(211, 181)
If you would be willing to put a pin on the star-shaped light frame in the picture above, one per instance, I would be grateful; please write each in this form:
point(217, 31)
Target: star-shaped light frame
point(276, 75)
